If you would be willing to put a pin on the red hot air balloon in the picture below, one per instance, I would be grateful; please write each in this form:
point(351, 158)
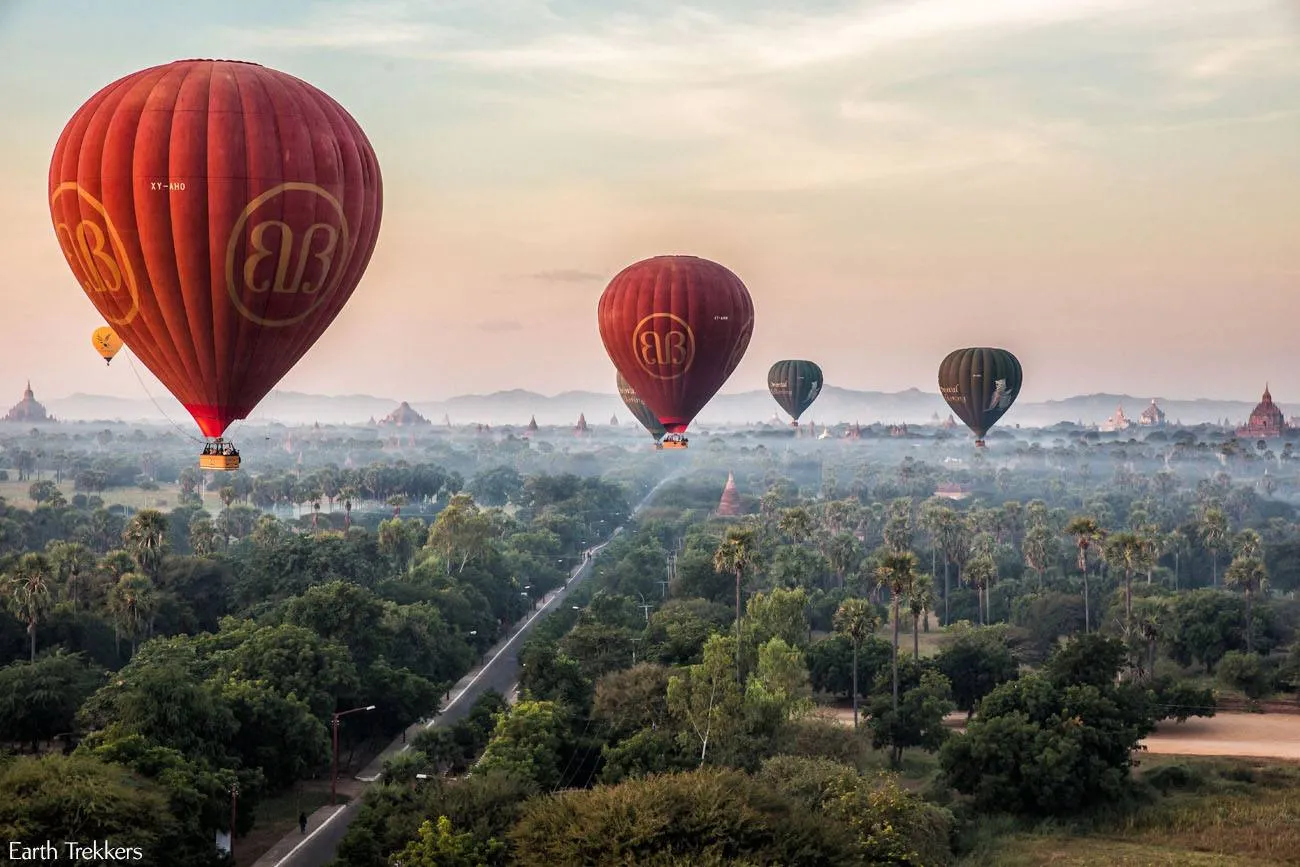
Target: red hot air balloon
point(676, 327)
point(218, 214)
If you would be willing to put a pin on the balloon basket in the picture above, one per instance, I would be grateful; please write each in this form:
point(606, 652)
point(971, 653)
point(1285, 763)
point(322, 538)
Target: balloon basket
point(219, 455)
point(979, 444)
point(673, 441)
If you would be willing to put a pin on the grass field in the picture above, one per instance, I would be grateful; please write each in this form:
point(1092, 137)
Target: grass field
point(166, 497)
point(1224, 812)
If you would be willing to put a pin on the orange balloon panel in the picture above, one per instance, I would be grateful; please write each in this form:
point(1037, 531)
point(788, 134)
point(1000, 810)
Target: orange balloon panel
point(219, 215)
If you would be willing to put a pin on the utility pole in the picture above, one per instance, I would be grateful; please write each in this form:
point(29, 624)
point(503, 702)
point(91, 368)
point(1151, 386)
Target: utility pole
point(234, 810)
point(645, 606)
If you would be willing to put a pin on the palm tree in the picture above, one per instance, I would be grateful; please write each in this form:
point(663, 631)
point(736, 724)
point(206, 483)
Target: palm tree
point(1248, 544)
point(1085, 531)
point(145, 538)
point(897, 571)
point(72, 563)
point(28, 592)
point(1038, 549)
point(131, 602)
point(1249, 574)
point(1214, 535)
point(979, 573)
point(736, 555)
point(797, 524)
point(1126, 552)
point(920, 601)
point(856, 619)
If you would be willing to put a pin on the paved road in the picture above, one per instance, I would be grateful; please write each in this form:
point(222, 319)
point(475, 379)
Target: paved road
point(328, 825)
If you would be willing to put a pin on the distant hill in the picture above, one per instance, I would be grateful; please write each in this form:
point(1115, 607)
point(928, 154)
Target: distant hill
point(912, 406)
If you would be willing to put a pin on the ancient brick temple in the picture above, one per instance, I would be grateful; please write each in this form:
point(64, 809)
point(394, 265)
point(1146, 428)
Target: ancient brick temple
point(28, 410)
point(729, 505)
point(1265, 421)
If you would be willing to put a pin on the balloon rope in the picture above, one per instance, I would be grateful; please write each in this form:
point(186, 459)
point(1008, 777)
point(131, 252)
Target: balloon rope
point(179, 429)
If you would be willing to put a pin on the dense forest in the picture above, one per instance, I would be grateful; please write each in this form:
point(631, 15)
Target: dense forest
point(852, 670)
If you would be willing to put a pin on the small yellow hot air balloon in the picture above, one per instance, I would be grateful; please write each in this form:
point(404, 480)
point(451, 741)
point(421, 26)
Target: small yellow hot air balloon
point(106, 343)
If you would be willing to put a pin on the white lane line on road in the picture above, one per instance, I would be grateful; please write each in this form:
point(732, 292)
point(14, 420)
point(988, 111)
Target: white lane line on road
point(307, 839)
point(482, 671)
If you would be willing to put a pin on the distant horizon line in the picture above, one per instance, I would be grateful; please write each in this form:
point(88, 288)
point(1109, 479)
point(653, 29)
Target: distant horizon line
point(614, 394)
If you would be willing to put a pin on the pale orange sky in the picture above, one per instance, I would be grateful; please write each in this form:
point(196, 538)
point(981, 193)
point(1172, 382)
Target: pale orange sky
point(1109, 188)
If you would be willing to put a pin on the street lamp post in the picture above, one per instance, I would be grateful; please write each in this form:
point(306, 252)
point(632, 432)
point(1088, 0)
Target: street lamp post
point(334, 723)
point(234, 812)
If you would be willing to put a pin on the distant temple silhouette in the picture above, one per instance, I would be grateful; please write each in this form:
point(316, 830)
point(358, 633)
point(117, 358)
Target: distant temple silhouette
point(1152, 416)
point(532, 424)
point(28, 410)
point(581, 427)
point(1265, 421)
point(613, 421)
point(729, 505)
point(404, 416)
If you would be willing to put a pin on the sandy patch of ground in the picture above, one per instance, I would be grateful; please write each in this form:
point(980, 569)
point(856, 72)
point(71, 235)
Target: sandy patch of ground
point(1270, 736)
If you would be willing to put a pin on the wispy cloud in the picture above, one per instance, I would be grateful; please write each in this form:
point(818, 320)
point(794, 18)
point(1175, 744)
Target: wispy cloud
point(567, 275)
point(377, 26)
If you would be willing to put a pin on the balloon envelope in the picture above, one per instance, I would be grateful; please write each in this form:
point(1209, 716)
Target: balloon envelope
point(218, 214)
point(795, 385)
point(639, 410)
point(106, 342)
point(676, 327)
point(980, 384)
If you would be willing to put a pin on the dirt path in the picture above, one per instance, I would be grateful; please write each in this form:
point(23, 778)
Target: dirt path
point(1267, 736)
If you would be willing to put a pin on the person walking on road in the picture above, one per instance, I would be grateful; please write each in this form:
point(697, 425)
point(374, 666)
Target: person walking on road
point(302, 822)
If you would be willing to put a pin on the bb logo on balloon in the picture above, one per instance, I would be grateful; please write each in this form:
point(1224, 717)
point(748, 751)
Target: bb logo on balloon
point(658, 349)
point(282, 263)
point(95, 252)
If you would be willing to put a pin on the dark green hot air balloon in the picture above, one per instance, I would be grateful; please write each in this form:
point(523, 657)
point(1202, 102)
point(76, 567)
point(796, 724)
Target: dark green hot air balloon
point(795, 385)
point(639, 410)
point(980, 384)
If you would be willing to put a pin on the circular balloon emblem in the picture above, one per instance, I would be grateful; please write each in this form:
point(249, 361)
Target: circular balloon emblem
point(219, 215)
point(665, 345)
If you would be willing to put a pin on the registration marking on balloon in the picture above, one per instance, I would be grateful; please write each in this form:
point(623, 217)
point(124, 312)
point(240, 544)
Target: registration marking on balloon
point(655, 349)
point(95, 251)
point(290, 266)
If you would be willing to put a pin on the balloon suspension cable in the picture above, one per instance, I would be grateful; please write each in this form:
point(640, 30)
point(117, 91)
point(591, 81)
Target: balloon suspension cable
point(161, 411)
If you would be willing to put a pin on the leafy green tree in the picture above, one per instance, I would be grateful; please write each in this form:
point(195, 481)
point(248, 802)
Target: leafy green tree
point(1087, 532)
point(438, 845)
point(778, 689)
point(704, 817)
point(916, 720)
point(1055, 743)
point(633, 699)
point(145, 539)
point(975, 662)
point(276, 733)
point(706, 700)
point(778, 613)
point(1204, 625)
point(78, 797)
point(39, 699)
point(527, 743)
point(293, 660)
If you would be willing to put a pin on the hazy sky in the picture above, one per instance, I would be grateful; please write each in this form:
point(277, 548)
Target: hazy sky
point(1109, 188)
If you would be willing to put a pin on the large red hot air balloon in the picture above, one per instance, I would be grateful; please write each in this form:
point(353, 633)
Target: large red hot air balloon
point(676, 327)
point(218, 214)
